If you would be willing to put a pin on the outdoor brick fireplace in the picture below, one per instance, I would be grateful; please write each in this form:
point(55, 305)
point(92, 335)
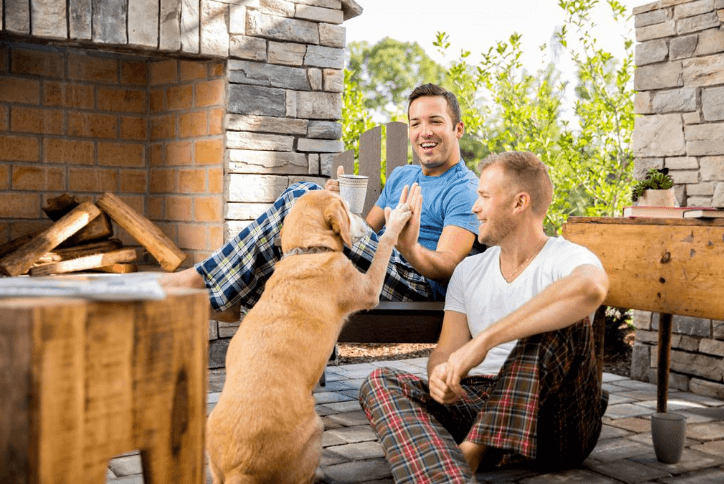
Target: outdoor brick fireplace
point(147, 129)
point(196, 113)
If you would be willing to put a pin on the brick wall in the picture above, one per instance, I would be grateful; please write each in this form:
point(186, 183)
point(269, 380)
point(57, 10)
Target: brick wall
point(148, 130)
point(680, 103)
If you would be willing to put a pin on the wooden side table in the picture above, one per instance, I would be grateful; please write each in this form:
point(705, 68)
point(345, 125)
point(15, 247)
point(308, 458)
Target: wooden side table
point(83, 381)
point(668, 266)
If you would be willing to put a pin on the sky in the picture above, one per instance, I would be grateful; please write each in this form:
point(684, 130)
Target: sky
point(474, 25)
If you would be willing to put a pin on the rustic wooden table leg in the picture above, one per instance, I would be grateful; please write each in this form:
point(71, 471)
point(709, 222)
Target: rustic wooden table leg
point(83, 381)
point(664, 362)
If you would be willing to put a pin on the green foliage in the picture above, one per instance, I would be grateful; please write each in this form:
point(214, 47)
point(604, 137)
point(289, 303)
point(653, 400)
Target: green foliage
point(507, 108)
point(388, 71)
point(356, 119)
point(655, 179)
point(504, 107)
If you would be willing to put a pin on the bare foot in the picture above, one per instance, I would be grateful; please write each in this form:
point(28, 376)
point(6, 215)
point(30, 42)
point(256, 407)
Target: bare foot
point(188, 278)
point(473, 453)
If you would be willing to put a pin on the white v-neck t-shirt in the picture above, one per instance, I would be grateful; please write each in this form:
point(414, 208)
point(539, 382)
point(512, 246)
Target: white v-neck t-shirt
point(477, 289)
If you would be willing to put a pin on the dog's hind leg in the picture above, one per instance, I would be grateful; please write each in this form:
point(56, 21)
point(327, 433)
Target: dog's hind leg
point(306, 470)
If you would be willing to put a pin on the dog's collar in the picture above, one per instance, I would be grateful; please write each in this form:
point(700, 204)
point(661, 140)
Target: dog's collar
point(308, 250)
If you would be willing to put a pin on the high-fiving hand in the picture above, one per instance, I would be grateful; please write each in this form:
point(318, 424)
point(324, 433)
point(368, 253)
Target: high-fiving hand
point(413, 197)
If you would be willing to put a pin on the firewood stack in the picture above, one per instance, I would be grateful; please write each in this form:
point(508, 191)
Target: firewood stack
point(81, 239)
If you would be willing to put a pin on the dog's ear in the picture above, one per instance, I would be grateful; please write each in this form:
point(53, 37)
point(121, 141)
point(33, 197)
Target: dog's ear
point(338, 218)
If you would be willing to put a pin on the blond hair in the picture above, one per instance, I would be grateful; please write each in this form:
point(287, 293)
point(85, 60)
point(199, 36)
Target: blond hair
point(527, 174)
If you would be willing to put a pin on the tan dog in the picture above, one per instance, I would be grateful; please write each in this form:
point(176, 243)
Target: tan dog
point(264, 428)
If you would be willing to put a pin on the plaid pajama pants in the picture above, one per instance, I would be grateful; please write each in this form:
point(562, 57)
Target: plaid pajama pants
point(544, 408)
point(238, 270)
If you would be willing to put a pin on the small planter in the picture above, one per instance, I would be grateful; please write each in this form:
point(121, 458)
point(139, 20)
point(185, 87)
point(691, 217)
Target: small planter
point(658, 198)
point(668, 433)
point(656, 189)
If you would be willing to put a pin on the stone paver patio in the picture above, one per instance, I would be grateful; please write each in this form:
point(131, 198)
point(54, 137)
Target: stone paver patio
point(624, 453)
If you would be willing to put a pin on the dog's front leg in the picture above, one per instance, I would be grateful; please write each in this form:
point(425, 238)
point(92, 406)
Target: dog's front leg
point(374, 278)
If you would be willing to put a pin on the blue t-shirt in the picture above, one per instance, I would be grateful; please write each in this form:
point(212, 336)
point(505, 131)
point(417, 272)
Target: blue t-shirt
point(446, 200)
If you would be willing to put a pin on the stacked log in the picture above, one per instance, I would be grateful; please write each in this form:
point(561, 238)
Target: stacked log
point(81, 239)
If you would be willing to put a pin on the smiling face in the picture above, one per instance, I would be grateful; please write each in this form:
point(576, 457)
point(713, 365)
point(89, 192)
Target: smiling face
point(433, 137)
point(494, 206)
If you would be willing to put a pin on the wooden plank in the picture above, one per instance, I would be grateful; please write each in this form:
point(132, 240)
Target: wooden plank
point(15, 244)
point(58, 373)
point(169, 391)
point(87, 262)
point(660, 265)
point(397, 145)
point(709, 222)
point(15, 391)
point(68, 253)
point(118, 268)
point(22, 259)
point(370, 158)
point(146, 233)
point(346, 160)
point(108, 415)
point(81, 382)
point(98, 228)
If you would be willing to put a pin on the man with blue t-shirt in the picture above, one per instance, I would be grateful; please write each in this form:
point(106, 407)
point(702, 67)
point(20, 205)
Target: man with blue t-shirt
point(441, 189)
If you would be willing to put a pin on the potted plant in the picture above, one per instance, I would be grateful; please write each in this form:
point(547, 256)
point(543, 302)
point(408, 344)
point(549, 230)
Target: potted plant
point(657, 189)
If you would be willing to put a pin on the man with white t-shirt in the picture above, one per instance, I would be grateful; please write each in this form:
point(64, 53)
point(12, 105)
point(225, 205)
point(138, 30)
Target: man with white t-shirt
point(513, 378)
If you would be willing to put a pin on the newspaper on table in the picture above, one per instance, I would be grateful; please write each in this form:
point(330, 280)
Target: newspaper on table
point(101, 287)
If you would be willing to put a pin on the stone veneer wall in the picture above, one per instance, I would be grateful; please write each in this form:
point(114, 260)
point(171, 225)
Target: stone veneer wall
point(680, 103)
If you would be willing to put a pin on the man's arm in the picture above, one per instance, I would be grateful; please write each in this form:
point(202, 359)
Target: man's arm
point(454, 335)
point(453, 246)
point(561, 304)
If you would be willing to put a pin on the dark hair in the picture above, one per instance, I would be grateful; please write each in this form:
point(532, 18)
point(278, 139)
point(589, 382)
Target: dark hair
point(435, 90)
point(527, 173)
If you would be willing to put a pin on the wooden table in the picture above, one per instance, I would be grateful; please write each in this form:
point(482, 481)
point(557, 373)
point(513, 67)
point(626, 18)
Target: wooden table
point(83, 381)
point(668, 266)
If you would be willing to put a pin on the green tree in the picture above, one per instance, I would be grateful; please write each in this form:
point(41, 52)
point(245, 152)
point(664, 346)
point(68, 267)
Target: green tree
point(388, 71)
point(507, 108)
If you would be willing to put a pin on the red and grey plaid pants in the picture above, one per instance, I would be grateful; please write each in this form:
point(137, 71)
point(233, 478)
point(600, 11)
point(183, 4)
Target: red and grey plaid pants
point(544, 408)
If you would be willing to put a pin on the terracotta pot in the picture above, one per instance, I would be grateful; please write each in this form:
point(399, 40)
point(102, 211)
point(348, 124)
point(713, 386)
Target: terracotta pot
point(658, 198)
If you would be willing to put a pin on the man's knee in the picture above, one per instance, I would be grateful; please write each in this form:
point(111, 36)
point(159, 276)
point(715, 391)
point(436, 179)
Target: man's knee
point(379, 379)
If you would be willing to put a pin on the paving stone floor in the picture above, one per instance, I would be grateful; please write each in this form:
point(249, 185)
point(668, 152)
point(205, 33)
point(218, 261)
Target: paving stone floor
point(624, 453)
